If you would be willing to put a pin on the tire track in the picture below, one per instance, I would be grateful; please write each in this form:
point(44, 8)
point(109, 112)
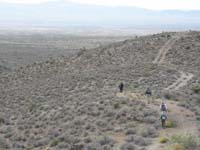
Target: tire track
point(184, 76)
point(181, 82)
point(163, 51)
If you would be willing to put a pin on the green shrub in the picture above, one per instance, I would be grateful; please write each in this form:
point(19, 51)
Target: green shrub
point(124, 102)
point(116, 105)
point(185, 140)
point(33, 107)
point(196, 89)
point(163, 140)
point(2, 121)
point(54, 143)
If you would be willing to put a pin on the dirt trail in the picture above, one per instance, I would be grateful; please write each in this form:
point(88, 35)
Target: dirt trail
point(184, 118)
point(181, 82)
point(184, 77)
point(186, 123)
point(163, 51)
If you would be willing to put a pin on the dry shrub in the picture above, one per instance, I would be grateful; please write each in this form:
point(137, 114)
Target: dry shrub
point(128, 146)
point(106, 141)
point(131, 131)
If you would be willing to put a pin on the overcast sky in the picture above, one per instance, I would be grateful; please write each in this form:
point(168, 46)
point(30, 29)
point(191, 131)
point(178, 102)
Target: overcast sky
point(149, 4)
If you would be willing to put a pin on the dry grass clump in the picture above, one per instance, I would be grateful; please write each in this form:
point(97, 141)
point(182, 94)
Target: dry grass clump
point(163, 140)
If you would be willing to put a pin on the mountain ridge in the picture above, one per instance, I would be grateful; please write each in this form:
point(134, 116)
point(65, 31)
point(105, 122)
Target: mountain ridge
point(67, 13)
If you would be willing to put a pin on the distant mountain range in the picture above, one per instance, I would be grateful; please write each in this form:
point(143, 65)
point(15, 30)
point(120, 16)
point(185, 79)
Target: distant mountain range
point(64, 14)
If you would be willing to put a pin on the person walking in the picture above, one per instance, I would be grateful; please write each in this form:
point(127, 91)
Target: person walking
point(163, 107)
point(121, 87)
point(163, 119)
point(148, 93)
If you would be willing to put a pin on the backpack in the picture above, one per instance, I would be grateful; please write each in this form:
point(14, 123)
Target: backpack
point(148, 92)
point(163, 108)
point(120, 85)
point(163, 117)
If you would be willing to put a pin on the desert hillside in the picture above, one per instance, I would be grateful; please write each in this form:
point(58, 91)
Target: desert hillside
point(74, 102)
point(20, 48)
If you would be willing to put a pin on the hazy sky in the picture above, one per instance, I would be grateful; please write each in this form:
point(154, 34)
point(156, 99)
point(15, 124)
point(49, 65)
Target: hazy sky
point(149, 4)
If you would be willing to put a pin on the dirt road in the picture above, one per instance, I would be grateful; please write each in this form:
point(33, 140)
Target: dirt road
point(160, 59)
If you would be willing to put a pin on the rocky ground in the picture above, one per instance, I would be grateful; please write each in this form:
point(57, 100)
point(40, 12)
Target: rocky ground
point(74, 101)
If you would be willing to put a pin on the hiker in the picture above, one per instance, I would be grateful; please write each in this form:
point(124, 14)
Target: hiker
point(148, 92)
point(163, 107)
point(163, 119)
point(121, 87)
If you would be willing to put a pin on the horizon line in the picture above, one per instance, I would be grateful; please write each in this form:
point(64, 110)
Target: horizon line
point(92, 4)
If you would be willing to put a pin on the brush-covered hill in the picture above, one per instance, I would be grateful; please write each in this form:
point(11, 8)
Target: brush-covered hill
point(70, 101)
